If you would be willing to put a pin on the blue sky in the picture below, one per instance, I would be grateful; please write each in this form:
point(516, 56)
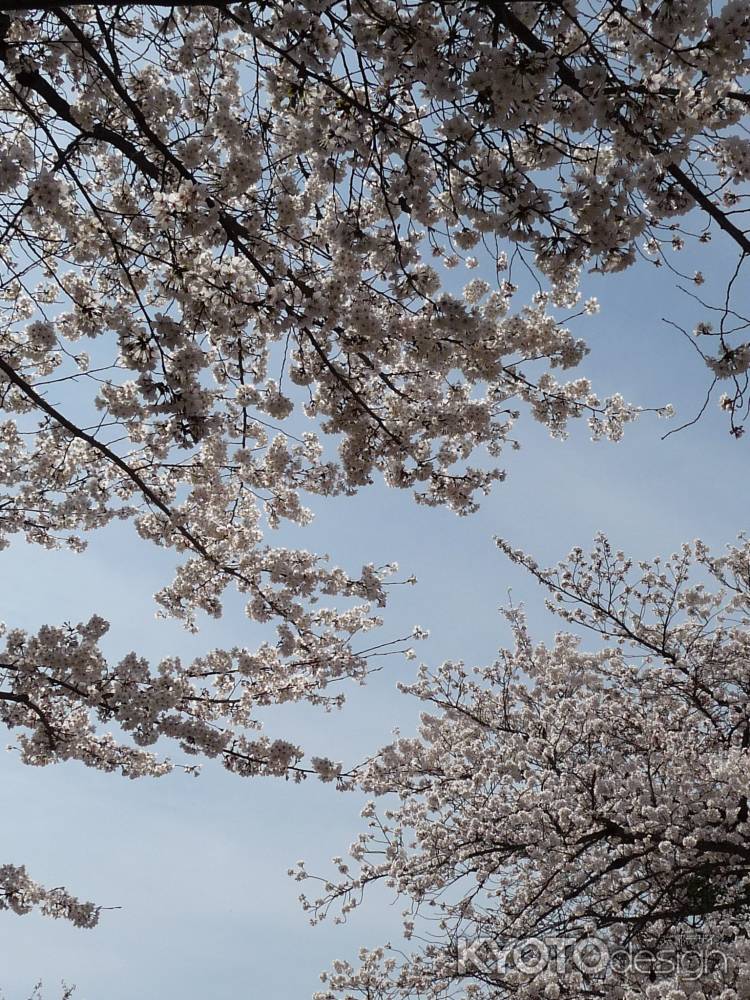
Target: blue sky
point(197, 866)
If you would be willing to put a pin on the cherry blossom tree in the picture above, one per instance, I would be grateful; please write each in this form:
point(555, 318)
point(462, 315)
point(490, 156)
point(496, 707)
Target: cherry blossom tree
point(562, 807)
point(248, 214)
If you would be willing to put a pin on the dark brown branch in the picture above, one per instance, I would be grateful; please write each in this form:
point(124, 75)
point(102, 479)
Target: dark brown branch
point(23, 699)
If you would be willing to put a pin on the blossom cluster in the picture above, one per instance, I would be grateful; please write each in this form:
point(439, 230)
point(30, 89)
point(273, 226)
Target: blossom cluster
point(21, 894)
point(567, 794)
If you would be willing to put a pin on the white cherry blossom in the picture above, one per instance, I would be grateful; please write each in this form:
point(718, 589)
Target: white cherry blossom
point(566, 795)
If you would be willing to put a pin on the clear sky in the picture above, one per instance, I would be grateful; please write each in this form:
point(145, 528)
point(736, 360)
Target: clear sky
point(197, 866)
